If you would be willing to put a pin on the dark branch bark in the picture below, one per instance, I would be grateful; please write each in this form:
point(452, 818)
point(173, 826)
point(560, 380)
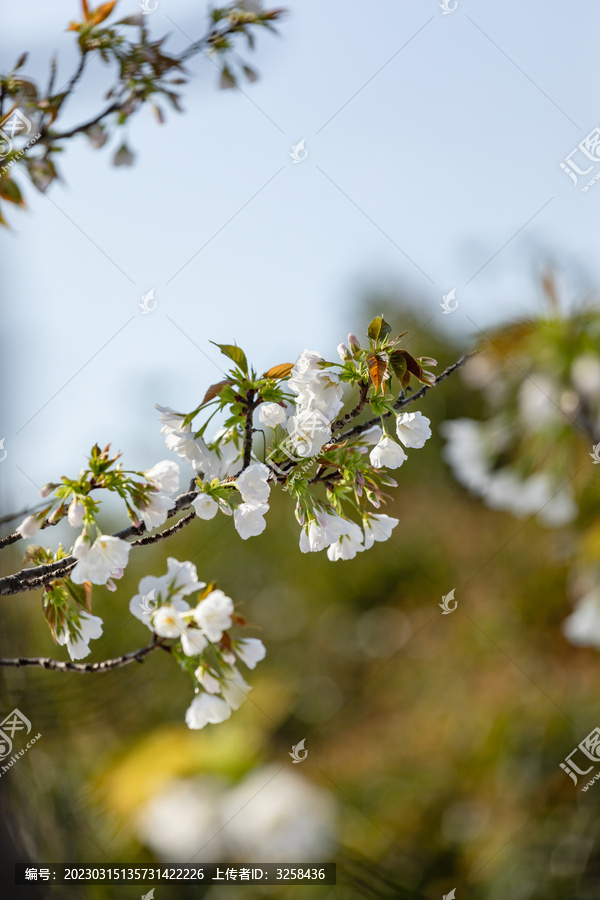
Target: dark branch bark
point(38, 576)
point(106, 665)
point(10, 517)
point(49, 137)
point(345, 420)
point(250, 407)
point(163, 535)
point(16, 536)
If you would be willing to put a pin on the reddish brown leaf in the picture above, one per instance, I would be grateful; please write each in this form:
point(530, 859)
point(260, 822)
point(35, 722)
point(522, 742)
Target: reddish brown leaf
point(377, 370)
point(214, 390)
point(226, 642)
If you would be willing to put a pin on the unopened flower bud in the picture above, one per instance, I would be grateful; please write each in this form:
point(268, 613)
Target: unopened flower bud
point(76, 513)
point(57, 515)
point(353, 342)
point(29, 526)
point(47, 489)
point(344, 352)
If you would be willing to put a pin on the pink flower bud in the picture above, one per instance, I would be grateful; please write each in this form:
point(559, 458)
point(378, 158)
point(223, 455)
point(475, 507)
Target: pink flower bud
point(353, 342)
point(343, 352)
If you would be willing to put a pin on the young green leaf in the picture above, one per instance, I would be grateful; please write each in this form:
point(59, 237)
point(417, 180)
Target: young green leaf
point(378, 328)
point(234, 353)
point(398, 364)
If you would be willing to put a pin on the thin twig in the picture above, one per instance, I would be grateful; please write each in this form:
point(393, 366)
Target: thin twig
point(400, 404)
point(106, 665)
point(49, 137)
point(163, 535)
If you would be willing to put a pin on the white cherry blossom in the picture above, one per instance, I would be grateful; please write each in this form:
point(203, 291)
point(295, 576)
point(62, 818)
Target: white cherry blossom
point(182, 577)
point(213, 614)
point(168, 622)
point(193, 641)
point(105, 554)
point(309, 430)
point(249, 519)
point(317, 388)
point(250, 651)
point(271, 414)
point(208, 679)
point(348, 545)
point(205, 506)
point(378, 528)
point(206, 709)
point(89, 629)
point(164, 476)
point(81, 546)
point(253, 484)
point(325, 531)
point(387, 454)
point(234, 688)
point(413, 429)
point(156, 510)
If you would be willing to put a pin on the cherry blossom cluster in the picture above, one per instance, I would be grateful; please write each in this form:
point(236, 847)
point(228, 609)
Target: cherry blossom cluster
point(331, 478)
point(203, 646)
point(535, 449)
point(145, 495)
point(540, 382)
point(283, 429)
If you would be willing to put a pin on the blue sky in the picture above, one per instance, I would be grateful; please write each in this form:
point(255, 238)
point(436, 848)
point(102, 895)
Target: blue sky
point(434, 143)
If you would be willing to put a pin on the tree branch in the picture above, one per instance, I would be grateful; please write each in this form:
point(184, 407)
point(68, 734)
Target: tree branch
point(17, 536)
point(345, 420)
point(10, 517)
point(250, 407)
point(49, 137)
point(400, 404)
point(105, 666)
point(38, 576)
point(163, 535)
